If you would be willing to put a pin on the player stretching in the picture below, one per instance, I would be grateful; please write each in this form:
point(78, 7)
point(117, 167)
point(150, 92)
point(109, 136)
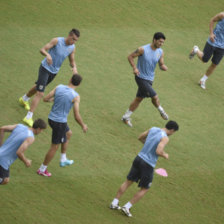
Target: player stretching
point(16, 144)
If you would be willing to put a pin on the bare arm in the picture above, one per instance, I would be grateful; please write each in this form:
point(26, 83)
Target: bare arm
point(48, 46)
point(142, 137)
point(160, 148)
point(213, 20)
point(71, 58)
point(131, 58)
point(6, 128)
point(50, 96)
point(22, 149)
point(161, 63)
point(77, 115)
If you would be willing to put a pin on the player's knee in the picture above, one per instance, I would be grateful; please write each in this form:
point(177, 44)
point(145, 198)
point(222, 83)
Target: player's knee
point(139, 99)
point(40, 94)
point(69, 134)
point(205, 59)
point(5, 181)
point(213, 65)
point(146, 187)
point(155, 99)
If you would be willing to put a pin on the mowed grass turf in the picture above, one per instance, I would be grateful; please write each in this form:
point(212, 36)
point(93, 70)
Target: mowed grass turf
point(110, 30)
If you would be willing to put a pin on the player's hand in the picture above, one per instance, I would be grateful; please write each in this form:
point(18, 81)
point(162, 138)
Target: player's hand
point(74, 70)
point(166, 156)
point(49, 59)
point(84, 128)
point(212, 37)
point(28, 163)
point(163, 67)
point(136, 71)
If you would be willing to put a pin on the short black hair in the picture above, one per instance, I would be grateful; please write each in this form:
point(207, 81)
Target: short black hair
point(76, 79)
point(172, 125)
point(75, 31)
point(158, 36)
point(39, 123)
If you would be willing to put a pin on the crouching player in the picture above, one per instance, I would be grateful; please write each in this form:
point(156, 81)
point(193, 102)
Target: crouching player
point(16, 144)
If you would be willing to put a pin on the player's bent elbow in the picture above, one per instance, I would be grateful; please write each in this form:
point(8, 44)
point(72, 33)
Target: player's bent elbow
point(142, 140)
point(129, 58)
point(42, 50)
point(19, 154)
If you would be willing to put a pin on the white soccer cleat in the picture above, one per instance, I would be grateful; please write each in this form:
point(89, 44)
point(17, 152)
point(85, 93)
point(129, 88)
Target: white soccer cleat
point(127, 121)
point(164, 115)
point(193, 52)
point(202, 84)
point(115, 207)
point(126, 211)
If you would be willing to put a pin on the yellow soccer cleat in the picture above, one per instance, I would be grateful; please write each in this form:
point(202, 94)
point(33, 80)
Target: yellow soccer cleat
point(24, 103)
point(29, 122)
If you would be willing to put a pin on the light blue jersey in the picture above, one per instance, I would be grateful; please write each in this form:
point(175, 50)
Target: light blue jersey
point(11, 145)
point(147, 62)
point(58, 53)
point(148, 152)
point(219, 35)
point(63, 98)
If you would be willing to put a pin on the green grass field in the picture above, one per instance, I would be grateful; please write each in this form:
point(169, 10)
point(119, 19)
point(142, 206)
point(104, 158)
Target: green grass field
point(110, 30)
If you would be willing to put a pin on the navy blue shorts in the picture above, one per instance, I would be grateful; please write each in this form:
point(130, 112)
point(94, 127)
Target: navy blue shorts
point(217, 53)
point(144, 88)
point(3, 174)
point(44, 78)
point(59, 131)
point(141, 172)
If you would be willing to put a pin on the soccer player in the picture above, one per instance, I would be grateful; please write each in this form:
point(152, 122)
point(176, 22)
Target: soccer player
point(65, 97)
point(213, 47)
point(148, 56)
point(55, 51)
point(154, 140)
point(16, 144)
